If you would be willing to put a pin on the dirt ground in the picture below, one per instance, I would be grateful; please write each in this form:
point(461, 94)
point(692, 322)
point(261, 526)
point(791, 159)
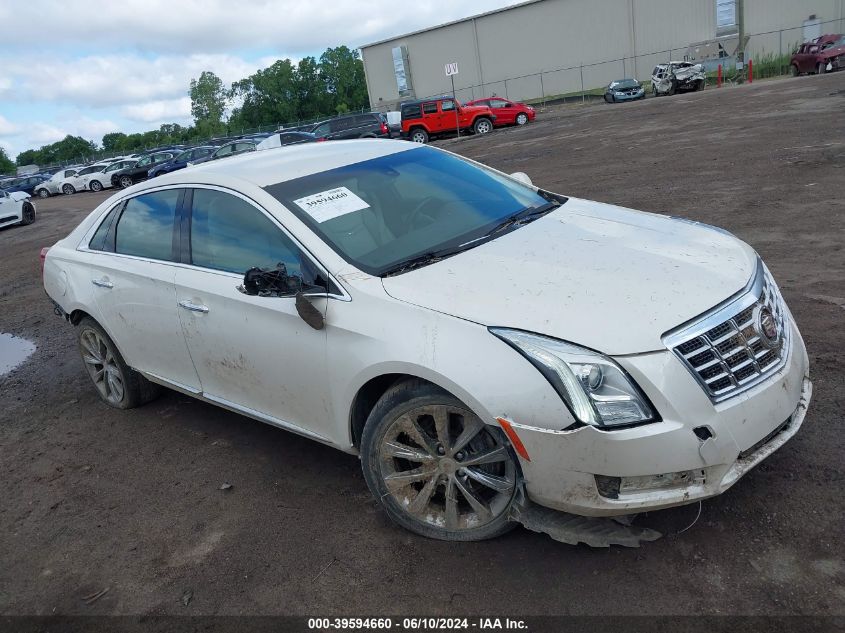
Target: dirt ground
point(92, 498)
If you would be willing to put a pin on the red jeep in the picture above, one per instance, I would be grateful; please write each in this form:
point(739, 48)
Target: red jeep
point(821, 55)
point(429, 117)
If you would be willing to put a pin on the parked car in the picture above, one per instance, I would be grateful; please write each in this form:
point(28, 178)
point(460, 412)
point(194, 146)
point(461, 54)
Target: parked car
point(484, 345)
point(87, 178)
point(287, 138)
point(226, 151)
point(128, 176)
point(367, 125)
point(507, 112)
point(624, 90)
point(181, 160)
point(16, 208)
point(667, 79)
point(53, 185)
point(820, 55)
point(25, 184)
point(424, 119)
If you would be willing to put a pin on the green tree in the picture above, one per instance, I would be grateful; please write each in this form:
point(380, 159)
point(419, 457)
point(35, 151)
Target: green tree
point(114, 141)
point(342, 72)
point(311, 96)
point(268, 97)
point(70, 148)
point(6, 164)
point(208, 102)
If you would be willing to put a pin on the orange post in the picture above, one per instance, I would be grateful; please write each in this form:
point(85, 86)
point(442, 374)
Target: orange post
point(750, 71)
point(719, 76)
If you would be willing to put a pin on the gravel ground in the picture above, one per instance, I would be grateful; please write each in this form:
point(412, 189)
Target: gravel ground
point(93, 498)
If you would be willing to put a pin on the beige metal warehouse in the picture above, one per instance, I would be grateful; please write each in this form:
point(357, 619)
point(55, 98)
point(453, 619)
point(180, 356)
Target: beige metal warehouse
point(552, 47)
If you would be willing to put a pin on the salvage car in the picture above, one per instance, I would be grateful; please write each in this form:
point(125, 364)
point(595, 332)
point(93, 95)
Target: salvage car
point(87, 178)
point(181, 160)
point(507, 112)
point(53, 185)
point(139, 171)
point(483, 344)
point(821, 55)
point(624, 90)
point(226, 151)
point(16, 208)
point(25, 184)
point(667, 79)
point(422, 120)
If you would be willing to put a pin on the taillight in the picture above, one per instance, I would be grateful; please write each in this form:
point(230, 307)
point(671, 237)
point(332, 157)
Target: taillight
point(383, 128)
point(323, 138)
point(43, 256)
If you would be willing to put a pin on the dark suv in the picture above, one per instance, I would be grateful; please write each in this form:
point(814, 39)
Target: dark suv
point(140, 170)
point(369, 125)
point(441, 115)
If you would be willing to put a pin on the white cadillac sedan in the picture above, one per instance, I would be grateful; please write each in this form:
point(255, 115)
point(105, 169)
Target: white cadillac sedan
point(481, 343)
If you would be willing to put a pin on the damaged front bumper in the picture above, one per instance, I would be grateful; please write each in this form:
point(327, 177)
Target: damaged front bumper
point(697, 451)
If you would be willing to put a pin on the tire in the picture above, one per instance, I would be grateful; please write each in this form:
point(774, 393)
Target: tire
point(419, 135)
point(42, 193)
point(125, 181)
point(821, 68)
point(95, 186)
point(521, 118)
point(654, 90)
point(794, 70)
point(68, 190)
point(27, 213)
point(673, 88)
point(482, 125)
point(117, 384)
point(416, 426)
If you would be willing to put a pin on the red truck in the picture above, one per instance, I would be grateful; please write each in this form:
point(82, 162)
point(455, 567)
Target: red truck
point(821, 55)
point(425, 118)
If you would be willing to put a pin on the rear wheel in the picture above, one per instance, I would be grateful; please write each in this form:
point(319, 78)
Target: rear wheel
point(521, 118)
point(68, 190)
point(793, 69)
point(419, 135)
point(821, 68)
point(482, 126)
point(435, 467)
point(42, 193)
point(27, 213)
point(95, 185)
point(117, 384)
point(125, 181)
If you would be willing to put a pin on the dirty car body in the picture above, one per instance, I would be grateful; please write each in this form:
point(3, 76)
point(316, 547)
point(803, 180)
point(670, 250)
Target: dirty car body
point(481, 343)
point(16, 208)
point(667, 79)
point(624, 90)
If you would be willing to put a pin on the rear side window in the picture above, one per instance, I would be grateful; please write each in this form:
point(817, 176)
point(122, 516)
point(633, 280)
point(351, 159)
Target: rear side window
point(100, 241)
point(412, 111)
point(145, 228)
point(229, 234)
point(430, 108)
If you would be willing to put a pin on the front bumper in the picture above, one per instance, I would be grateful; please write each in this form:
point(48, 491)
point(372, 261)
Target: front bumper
point(666, 464)
point(629, 97)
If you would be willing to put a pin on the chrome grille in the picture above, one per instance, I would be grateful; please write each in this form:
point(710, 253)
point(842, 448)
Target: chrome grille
point(725, 349)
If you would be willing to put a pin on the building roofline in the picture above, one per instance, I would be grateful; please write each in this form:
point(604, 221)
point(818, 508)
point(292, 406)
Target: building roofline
point(453, 22)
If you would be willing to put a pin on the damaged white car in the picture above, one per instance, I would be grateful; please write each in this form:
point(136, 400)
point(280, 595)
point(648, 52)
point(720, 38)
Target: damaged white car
point(667, 79)
point(16, 208)
point(485, 346)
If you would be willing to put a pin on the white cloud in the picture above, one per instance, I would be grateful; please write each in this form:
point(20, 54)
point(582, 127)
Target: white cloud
point(173, 110)
point(7, 128)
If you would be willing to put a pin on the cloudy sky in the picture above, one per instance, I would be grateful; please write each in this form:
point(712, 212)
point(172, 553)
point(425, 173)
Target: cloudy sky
point(87, 68)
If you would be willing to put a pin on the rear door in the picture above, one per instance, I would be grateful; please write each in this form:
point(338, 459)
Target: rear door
point(132, 271)
point(505, 111)
point(432, 116)
point(252, 353)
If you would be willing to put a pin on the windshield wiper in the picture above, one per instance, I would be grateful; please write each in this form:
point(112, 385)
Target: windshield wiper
point(421, 260)
point(525, 216)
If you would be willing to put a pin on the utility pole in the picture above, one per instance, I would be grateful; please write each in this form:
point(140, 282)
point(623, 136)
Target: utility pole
point(740, 49)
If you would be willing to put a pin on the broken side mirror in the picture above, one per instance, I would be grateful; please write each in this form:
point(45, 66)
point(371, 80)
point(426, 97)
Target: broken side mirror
point(276, 282)
point(522, 177)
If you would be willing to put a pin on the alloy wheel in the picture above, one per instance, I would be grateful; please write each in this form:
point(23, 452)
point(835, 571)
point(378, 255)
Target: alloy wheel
point(102, 366)
point(125, 181)
point(445, 468)
point(418, 137)
point(28, 213)
point(43, 193)
point(68, 190)
point(96, 186)
point(483, 127)
point(521, 119)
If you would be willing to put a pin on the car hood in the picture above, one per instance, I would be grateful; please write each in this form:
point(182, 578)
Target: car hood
point(601, 276)
point(19, 195)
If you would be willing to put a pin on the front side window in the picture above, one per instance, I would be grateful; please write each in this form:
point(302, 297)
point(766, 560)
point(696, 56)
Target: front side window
point(447, 105)
point(145, 228)
point(381, 212)
point(499, 103)
point(146, 160)
point(230, 234)
point(224, 151)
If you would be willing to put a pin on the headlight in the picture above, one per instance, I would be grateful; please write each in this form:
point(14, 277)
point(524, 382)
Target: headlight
point(596, 390)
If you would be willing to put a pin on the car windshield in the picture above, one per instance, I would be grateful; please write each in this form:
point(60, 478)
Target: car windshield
point(625, 83)
point(380, 213)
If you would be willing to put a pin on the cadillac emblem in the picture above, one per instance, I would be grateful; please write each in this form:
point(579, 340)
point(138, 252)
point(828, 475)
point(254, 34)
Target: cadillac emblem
point(767, 327)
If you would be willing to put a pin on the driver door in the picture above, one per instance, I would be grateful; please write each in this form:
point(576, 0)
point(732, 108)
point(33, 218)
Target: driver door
point(254, 354)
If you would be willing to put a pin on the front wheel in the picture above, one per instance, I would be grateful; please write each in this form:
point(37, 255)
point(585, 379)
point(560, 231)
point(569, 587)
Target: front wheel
point(821, 69)
point(125, 181)
point(27, 213)
point(794, 70)
point(435, 467)
point(42, 193)
point(68, 190)
point(117, 384)
point(482, 126)
point(419, 136)
point(521, 118)
point(95, 185)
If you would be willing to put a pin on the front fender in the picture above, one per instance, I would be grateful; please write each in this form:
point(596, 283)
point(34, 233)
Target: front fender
point(19, 196)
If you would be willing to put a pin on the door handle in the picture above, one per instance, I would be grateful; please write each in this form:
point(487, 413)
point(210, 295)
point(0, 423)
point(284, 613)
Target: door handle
point(193, 307)
point(102, 283)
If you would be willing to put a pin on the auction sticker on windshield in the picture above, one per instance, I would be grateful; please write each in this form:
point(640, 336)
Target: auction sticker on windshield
point(327, 205)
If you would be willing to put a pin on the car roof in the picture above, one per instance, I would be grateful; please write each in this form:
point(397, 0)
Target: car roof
point(284, 163)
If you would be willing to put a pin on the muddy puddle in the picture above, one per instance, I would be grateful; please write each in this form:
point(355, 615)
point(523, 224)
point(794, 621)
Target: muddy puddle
point(13, 352)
